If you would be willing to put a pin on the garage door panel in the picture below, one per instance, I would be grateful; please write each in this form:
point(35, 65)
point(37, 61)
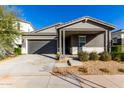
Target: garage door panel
point(42, 46)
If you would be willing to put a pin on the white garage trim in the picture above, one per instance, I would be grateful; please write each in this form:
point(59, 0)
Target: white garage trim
point(24, 49)
point(41, 46)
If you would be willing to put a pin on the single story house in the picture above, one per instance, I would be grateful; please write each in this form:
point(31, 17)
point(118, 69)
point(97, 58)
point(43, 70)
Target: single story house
point(118, 38)
point(83, 34)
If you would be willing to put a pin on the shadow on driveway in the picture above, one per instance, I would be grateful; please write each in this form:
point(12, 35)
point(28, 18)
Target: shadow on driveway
point(79, 80)
point(49, 56)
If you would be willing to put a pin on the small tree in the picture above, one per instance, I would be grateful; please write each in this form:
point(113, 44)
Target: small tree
point(8, 30)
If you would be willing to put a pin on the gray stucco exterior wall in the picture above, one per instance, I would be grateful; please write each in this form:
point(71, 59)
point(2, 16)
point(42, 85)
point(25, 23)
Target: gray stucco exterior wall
point(91, 40)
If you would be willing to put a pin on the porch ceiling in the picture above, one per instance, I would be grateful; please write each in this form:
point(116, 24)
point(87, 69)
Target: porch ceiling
point(84, 29)
point(69, 33)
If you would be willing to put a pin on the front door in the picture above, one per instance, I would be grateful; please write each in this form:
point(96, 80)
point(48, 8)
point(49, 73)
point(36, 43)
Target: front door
point(82, 42)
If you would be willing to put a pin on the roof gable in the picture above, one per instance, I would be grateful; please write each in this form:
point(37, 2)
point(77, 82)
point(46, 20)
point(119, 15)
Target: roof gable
point(51, 28)
point(88, 20)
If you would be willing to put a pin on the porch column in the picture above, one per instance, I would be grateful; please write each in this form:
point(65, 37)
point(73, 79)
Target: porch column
point(63, 42)
point(106, 40)
point(109, 41)
point(60, 46)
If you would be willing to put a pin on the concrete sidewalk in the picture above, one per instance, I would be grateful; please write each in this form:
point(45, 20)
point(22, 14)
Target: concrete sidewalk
point(51, 81)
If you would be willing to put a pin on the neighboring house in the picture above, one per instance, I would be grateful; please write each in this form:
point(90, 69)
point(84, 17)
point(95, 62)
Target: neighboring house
point(23, 26)
point(83, 34)
point(118, 38)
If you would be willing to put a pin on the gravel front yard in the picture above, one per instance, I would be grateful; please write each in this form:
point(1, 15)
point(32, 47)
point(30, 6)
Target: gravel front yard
point(94, 68)
point(112, 66)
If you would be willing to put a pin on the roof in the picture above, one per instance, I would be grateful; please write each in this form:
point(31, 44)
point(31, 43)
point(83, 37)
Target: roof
point(86, 18)
point(38, 34)
point(54, 25)
point(21, 20)
point(120, 30)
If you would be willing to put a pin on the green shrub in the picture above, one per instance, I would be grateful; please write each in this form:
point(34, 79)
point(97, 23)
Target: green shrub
point(83, 56)
point(94, 56)
point(105, 70)
point(1, 56)
point(105, 56)
point(121, 70)
point(122, 56)
point(118, 56)
point(17, 51)
point(116, 48)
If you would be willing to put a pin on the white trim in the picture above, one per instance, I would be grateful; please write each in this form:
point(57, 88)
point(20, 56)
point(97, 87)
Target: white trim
point(74, 50)
point(24, 48)
point(27, 46)
point(93, 49)
point(60, 41)
point(63, 42)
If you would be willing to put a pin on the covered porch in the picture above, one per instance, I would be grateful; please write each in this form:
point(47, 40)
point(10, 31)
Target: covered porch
point(84, 34)
point(74, 40)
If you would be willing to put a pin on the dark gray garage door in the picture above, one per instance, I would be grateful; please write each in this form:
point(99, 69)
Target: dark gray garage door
point(42, 46)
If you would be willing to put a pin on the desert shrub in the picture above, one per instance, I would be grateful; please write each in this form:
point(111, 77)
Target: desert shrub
point(83, 56)
point(105, 56)
point(116, 48)
point(60, 71)
point(121, 70)
point(105, 70)
point(17, 51)
point(55, 70)
point(94, 56)
point(83, 69)
point(58, 56)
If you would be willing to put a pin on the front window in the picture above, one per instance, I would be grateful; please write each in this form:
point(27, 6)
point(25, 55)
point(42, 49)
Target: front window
point(82, 41)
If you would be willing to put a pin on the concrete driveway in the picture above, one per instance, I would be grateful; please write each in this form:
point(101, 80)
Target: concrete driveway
point(28, 65)
point(33, 71)
point(30, 71)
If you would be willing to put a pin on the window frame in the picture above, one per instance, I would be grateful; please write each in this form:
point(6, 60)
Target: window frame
point(79, 40)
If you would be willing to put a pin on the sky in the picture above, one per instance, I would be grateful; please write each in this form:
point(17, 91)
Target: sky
point(45, 15)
